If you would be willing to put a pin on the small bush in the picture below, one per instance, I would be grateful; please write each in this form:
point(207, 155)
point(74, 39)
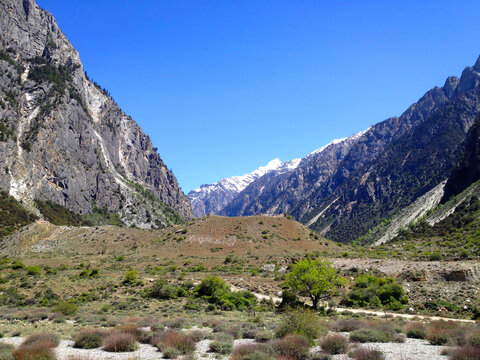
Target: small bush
point(131, 278)
point(345, 325)
point(6, 351)
point(415, 331)
point(66, 308)
point(252, 352)
point(131, 329)
point(293, 347)
point(89, 339)
point(334, 344)
point(177, 323)
point(171, 353)
point(367, 354)
point(234, 331)
point(120, 342)
point(300, 322)
point(34, 351)
point(46, 339)
point(370, 335)
point(467, 352)
point(441, 332)
point(184, 343)
point(33, 270)
point(263, 336)
point(223, 344)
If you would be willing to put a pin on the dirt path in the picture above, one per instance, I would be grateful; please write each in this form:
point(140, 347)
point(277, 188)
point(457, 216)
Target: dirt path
point(277, 299)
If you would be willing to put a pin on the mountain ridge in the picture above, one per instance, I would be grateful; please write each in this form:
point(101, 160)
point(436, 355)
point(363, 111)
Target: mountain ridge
point(339, 181)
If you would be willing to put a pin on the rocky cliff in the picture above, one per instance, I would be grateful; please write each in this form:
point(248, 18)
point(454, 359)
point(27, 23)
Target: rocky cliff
point(63, 138)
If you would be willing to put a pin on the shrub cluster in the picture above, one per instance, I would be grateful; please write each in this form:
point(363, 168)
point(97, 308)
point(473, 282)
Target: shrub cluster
point(300, 322)
point(376, 292)
point(215, 291)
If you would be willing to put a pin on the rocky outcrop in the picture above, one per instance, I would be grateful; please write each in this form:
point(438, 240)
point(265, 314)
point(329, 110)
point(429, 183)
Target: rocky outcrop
point(63, 138)
point(467, 171)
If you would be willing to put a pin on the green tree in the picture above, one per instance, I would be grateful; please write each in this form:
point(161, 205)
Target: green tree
point(314, 278)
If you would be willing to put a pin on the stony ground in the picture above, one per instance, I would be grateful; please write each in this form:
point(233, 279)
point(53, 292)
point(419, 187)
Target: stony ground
point(412, 349)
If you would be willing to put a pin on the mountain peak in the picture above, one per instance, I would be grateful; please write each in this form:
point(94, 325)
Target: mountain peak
point(476, 67)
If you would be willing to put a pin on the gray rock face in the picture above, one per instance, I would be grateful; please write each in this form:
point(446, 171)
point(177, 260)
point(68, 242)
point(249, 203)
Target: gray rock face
point(63, 139)
point(351, 185)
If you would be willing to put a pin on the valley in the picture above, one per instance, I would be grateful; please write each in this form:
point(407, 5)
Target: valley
point(366, 248)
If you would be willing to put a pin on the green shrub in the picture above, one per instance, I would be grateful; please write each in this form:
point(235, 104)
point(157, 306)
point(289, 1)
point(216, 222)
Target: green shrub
point(131, 278)
point(375, 292)
point(436, 256)
point(17, 265)
point(33, 270)
point(223, 344)
point(300, 322)
point(415, 331)
point(162, 291)
point(6, 351)
point(370, 335)
point(66, 308)
point(89, 339)
point(171, 353)
point(214, 290)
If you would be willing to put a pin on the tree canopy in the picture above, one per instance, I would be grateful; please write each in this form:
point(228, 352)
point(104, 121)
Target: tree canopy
point(314, 278)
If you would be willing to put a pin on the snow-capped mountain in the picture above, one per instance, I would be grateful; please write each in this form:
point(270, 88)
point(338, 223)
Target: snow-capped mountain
point(212, 198)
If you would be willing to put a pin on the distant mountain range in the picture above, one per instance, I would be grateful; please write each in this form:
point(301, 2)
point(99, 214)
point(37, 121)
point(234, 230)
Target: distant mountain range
point(348, 187)
point(212, 198)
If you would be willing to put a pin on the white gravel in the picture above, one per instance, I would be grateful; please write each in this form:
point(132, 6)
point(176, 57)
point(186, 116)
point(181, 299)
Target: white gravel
point(411, 349)
point(66, 351)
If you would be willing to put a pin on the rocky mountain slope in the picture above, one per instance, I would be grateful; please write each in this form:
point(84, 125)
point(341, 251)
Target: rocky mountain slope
point(350, 186)
point(212, 198)
point(62, 137)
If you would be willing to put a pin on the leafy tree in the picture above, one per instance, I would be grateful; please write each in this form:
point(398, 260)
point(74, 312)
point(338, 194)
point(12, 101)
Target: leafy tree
point(314, 278)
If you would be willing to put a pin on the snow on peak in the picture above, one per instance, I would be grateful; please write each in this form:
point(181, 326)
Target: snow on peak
point(338, 141)
point(238, 183)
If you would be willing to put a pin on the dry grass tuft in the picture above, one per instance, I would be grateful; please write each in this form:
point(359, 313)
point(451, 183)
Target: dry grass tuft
point(467, 352)
point(117, 341)
point(334, 344)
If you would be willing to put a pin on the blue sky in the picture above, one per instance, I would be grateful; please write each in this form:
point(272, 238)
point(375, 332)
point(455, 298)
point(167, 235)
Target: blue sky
point(223, 87)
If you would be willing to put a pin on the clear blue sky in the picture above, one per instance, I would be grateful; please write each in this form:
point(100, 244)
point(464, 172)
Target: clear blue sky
point(222, 87)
